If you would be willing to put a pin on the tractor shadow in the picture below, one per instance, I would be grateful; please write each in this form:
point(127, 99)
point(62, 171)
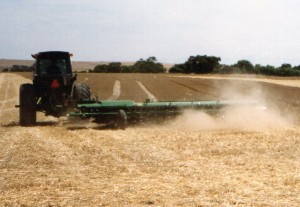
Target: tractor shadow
point(61, 124)
point(38, 124)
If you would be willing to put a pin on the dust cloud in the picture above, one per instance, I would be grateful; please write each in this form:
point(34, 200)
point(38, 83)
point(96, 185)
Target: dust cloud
point(240, 118)
point(253, 117)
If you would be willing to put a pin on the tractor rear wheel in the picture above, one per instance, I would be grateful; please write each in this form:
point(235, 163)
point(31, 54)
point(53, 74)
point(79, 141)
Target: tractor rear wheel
point(27, 105)
point(81, 92)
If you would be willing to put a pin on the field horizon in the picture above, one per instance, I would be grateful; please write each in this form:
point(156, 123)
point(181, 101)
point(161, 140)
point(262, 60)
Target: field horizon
point(77, 65)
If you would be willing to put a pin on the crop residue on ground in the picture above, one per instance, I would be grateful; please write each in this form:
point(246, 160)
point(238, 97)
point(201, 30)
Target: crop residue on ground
point(169, 165)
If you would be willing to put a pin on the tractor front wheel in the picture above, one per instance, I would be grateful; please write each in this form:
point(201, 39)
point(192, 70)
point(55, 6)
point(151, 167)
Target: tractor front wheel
point(27, 105)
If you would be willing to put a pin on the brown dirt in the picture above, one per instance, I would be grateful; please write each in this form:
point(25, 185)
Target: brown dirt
point(249, 157)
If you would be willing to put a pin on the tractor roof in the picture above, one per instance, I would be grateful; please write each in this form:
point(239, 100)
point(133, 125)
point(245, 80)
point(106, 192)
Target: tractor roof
point(52, 54)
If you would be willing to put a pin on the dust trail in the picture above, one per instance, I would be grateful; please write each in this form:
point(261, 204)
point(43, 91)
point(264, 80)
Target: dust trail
point(149, 94)
point(252, 117)
point(116, 91)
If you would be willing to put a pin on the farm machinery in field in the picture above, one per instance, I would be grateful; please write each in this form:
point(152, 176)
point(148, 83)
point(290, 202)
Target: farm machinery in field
point(55, 93)
point(53, 90)
point(121, 112)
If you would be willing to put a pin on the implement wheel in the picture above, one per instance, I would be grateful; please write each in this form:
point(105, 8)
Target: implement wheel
point(121, 120)
point(27, 105)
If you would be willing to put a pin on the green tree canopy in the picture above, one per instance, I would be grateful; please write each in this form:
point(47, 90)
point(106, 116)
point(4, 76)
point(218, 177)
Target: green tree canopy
point(201, 64)
point(149, 65)
point(197, 64)
point(245, 66)
point(113, 67)
point(178, 68)
point(286, 66)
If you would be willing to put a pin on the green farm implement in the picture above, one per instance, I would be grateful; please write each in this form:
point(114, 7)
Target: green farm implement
point(55, 93)
point(119, 113)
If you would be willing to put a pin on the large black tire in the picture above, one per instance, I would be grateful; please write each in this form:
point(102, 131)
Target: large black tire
point(27, 105)
point(121, 120)
point(81, 91)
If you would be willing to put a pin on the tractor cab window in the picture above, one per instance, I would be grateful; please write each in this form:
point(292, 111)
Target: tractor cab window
point(52, 66)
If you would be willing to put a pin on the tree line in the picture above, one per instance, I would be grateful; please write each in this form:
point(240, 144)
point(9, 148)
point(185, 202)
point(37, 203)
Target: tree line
point(246, 67)
point(199, 64)
point(150, 65)
point(18, 68)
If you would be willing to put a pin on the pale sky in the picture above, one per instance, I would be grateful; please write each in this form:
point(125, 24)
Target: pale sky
point(261, 31)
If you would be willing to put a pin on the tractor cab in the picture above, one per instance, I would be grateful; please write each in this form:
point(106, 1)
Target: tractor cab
point(53, 81)
point(54, 63)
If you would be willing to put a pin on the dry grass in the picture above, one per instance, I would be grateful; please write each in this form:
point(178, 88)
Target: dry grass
point(145, 166)
point(49, 165)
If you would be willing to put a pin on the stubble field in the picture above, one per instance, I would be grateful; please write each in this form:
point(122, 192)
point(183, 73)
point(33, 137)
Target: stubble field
point(248, 157)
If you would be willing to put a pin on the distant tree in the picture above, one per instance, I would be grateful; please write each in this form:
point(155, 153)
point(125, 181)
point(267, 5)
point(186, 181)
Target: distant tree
point(201, 64)
point(257, 68)
point(21, 68)
point(287, 72)
point(16, 68)
point(265, 70)
point(114, 67)
point(103, 68)
point(152, 59)
point(286, 66)
point(127, 69)
point(245, 66)
point(296, 67)
point(149, 65)
point(178, 68)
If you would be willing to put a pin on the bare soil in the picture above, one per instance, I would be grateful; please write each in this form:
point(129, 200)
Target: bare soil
point(249, 157)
